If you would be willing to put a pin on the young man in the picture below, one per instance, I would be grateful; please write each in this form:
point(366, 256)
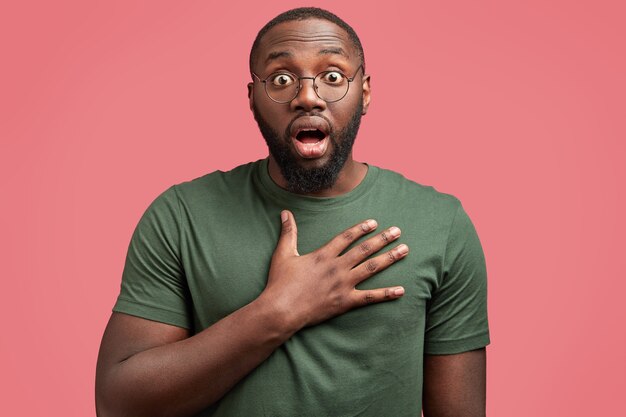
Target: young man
point(285, 287)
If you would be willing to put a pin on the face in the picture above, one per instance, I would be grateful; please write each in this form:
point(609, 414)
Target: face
point(310, 140)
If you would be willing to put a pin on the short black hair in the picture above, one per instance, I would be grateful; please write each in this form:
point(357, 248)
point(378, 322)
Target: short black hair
point(304, 13)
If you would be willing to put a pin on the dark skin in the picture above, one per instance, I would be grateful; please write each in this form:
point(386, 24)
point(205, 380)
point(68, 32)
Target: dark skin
point(146, 368)
point(308, 48)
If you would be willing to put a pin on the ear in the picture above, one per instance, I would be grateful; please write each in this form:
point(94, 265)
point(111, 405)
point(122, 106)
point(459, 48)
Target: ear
point(251, 94)
point(366, 93)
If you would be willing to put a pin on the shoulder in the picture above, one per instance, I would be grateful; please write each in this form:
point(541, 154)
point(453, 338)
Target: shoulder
point(218, 180)
point(217, 187)
point(427, 199)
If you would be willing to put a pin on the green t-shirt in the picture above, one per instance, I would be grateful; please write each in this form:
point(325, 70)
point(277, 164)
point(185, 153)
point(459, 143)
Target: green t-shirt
point(202, 250)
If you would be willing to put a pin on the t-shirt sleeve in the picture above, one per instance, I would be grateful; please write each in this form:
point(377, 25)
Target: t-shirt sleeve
point(457, 312)
point(153, 281)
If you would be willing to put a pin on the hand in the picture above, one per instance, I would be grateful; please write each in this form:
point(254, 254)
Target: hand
point(312, 288)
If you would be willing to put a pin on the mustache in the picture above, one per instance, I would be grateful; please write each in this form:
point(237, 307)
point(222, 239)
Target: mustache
point(309, 114)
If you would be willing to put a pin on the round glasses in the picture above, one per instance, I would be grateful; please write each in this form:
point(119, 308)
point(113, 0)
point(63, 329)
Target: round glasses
point(330, 86)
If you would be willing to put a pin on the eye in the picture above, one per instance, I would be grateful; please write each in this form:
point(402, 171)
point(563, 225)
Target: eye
point(333, 77)
point(281, 79)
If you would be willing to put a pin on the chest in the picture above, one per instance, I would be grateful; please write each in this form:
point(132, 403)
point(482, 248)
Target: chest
point(227, 263)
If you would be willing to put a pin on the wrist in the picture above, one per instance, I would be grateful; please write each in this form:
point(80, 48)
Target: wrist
point(281, 322)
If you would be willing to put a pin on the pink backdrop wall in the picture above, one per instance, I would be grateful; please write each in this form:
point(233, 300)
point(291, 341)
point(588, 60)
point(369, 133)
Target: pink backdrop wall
point(517, 108)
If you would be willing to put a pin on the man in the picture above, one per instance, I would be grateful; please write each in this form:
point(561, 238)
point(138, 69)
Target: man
point(285, 287)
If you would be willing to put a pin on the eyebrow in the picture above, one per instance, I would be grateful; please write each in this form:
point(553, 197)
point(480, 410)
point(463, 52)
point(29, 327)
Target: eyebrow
point(286, 54)
point(337, 51)
point(280, 54)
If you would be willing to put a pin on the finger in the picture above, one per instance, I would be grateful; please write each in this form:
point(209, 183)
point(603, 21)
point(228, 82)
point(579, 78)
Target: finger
point(340, 242)
point(362, 298)
point(288, 240)
point(376, 264)
point(370, 246)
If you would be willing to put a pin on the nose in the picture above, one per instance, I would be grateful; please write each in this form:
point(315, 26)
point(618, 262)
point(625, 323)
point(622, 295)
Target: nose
point(307, 99)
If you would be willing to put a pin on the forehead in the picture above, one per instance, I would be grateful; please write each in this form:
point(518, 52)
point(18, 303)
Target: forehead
point(304, 39)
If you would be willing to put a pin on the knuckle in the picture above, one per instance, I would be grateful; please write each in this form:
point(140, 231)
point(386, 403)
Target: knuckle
point(369, 297)
point(348, 235)
point(332, 271)
point(365, 247)
point(287, 228)
point(390, 257)
point(371, 266)
point(387, 294)
point(319, 257)
point(384, 237)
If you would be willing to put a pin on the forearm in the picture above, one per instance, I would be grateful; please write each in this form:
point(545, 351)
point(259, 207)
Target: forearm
point(182, 378)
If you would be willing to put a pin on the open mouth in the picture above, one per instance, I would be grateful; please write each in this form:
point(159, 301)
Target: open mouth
point(311, 143)
point(310, 136)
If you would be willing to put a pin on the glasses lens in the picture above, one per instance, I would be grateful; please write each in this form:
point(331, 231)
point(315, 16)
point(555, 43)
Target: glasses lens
point(331, 85)
point(281, 87)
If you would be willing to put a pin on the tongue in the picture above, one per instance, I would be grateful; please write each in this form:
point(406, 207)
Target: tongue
point(309, 139)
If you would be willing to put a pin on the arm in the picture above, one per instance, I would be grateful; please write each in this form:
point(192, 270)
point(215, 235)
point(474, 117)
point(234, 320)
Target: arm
point(150, 368)
point(457, 328)
point(147, 368)
point(454, 385)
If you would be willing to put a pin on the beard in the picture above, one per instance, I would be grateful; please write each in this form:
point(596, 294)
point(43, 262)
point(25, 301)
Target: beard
point(302, 180)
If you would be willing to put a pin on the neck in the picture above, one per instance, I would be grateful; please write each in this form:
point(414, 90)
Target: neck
point(349, 177)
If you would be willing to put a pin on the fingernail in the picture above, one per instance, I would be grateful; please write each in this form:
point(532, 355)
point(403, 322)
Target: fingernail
point(394, 231)
point(398, 291)
point(284, 216)
point(403, 249)
point(369, 225)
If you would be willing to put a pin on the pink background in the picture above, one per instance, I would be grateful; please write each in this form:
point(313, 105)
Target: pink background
point(517, 108)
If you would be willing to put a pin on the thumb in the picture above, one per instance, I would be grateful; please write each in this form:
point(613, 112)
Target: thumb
point(288, 241)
